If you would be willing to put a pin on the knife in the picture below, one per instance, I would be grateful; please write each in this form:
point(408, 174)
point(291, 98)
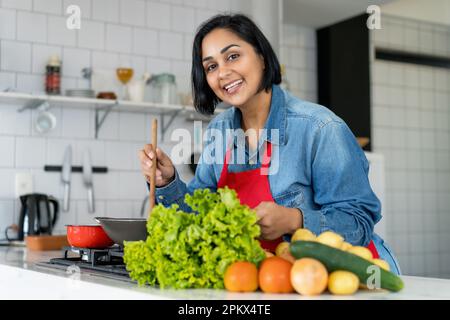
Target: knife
point(65, 177)
point(87, 178)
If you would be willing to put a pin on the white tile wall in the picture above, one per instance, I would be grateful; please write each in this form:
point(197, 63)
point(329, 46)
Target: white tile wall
point(79, 128)
point(13, 122)
point(145, 42)
point(31, 27)
point(201, 15)
point(171, 45)
point(158, 15)
point(132, 126)
point(7, 80)
point(130, 186)
point(182, 19)
point(104, 60)
point(16, 56)
point(30, 83)
point(30, 152)
point(92, 35)
point(7, 24)
point(119, 208)
point(83, 215)
point(58, 33)
point(118, 38)
point(157, 65)
point(106, 10)
point(299, 55)
point(48, 6)
point(119, 155)
point(132, 12)
point(7, 183)
point(74, 61)
point(17, 4)
point(411, 114)
point(7, 145)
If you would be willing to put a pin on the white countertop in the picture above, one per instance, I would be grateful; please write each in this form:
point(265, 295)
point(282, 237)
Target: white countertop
point(21, 278)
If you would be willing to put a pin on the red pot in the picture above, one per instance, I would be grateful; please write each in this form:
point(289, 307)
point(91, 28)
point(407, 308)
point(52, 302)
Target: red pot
point(88, 236)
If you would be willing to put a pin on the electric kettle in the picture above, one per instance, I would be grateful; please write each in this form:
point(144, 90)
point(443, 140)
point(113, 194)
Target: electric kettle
point(35, 215)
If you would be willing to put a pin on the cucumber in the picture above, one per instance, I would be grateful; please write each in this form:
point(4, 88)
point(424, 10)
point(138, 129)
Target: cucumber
point(336, 259)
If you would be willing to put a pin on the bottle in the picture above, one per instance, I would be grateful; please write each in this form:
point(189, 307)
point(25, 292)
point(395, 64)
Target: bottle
point(53, 76)
point(284, 82)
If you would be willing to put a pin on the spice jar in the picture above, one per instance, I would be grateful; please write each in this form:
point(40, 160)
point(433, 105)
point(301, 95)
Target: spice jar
point(53, 76)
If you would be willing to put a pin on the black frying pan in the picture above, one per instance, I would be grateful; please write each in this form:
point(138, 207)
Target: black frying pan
point(124, 229)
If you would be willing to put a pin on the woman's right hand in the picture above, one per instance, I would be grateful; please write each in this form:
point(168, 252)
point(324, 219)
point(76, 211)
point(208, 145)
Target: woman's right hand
point(165, 171)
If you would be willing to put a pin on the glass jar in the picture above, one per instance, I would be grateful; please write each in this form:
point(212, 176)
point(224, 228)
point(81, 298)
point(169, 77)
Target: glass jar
point(164, 88)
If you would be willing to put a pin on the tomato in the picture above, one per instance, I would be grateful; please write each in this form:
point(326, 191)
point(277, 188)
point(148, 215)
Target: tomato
point(241, 276)
point(275, 275)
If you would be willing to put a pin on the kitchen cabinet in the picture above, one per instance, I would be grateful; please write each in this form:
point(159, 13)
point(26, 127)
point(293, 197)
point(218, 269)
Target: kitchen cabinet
point(343, 61)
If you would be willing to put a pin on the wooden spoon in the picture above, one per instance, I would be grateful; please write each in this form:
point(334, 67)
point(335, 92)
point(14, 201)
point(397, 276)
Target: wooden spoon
point(154, 162)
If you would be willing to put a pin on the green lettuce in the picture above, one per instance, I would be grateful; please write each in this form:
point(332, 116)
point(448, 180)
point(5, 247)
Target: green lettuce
point(193, 250)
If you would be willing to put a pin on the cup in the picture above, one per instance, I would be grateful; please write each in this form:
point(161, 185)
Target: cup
point(45, 121)
point(136, 91)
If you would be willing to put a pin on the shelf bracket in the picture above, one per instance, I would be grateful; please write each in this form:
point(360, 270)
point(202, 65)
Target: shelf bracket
point(164, 126)
point(34, 104)
point(100, 119)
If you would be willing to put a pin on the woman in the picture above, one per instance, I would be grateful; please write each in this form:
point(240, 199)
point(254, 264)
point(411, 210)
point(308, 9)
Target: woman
point(312, 173)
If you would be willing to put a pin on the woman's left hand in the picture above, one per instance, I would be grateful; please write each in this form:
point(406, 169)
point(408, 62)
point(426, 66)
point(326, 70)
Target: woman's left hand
point(276, 221)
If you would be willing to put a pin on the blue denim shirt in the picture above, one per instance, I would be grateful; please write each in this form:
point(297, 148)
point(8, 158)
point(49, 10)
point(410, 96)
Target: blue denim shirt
point(318, 167)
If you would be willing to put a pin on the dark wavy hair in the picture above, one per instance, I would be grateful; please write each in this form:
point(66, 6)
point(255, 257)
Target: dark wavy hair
point(205, 100)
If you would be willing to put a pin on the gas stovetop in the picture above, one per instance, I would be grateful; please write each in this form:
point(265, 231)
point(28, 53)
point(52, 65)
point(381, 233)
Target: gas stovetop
point(106, 262)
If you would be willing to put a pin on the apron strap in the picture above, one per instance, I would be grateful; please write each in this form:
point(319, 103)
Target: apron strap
point(227, 157)
point(373, 249)
point(266, 157)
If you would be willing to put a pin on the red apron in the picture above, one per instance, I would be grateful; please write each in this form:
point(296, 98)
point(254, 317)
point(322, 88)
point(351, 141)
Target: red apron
point(252, 187)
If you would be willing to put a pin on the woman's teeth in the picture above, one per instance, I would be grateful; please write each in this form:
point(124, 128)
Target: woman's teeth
point(233, 85)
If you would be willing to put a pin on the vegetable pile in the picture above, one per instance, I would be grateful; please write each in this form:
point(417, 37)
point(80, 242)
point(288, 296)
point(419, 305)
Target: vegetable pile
point(312, 264)
point(193, 250)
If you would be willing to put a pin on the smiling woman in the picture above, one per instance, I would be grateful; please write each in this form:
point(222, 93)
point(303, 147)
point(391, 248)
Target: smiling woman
point(307, 169)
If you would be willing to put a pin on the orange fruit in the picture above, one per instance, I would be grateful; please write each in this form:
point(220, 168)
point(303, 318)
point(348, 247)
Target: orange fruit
point(274, 275)
point(241, 276)
point(309, 277)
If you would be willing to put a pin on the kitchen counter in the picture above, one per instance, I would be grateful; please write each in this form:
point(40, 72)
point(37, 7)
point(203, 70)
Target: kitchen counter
point(22, 278)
